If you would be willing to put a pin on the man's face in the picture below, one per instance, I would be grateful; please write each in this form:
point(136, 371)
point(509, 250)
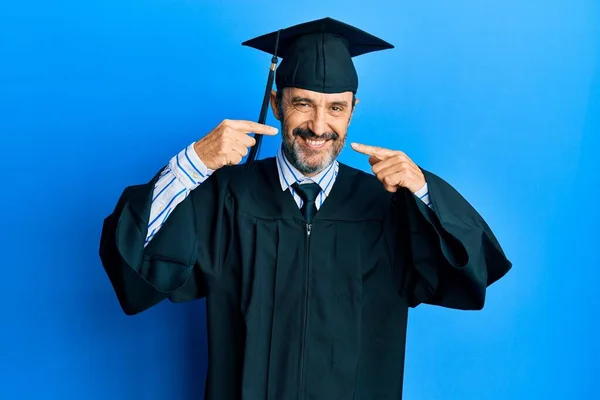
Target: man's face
point(314, 126)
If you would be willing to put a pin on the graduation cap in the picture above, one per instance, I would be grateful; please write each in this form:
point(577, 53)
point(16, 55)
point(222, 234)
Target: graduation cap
point(316, 56)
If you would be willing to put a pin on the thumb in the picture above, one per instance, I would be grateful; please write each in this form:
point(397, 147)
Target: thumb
point(374, 160)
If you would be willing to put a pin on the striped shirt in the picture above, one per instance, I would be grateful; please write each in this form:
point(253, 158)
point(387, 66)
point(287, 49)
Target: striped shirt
point(288, 175)
point(186, 171)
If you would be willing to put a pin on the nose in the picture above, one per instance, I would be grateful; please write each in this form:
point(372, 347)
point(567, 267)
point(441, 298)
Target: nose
point(318, 124)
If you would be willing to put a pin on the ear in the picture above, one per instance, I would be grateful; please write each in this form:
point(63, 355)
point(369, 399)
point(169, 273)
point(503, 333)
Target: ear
point(356, 101)
point(274, 107)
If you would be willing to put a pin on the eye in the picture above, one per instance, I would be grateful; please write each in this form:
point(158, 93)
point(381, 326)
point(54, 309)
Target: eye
point(302, 106)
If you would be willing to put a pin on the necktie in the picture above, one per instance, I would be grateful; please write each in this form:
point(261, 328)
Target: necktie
point(308, 192)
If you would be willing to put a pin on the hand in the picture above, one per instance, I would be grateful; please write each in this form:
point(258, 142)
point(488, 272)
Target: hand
point(393, 168)
point(228, 143)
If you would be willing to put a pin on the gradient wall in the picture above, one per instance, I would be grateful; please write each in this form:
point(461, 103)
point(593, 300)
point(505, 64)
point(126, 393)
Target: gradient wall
point(501, 98)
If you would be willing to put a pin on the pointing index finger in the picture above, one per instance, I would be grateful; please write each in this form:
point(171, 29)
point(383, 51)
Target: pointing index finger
point(255, 127)
point(373, 151)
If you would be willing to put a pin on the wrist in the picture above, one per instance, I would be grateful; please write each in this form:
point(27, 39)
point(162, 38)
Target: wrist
point(188, 167)
point(420, 189)
point(202, 157)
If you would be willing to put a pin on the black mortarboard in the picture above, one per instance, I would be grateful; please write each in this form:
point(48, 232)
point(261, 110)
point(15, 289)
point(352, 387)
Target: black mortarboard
point(316, 56)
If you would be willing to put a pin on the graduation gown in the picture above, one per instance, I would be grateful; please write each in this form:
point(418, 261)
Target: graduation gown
point(299, 312)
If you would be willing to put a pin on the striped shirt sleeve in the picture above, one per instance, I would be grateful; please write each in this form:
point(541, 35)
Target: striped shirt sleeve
point(423, 194)
point(184, 173)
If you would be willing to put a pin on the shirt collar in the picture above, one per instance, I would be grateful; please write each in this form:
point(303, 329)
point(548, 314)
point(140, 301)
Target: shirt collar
point(288, 174)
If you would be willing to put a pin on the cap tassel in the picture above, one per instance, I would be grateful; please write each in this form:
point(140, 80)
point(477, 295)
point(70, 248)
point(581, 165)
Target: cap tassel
point(263, 110)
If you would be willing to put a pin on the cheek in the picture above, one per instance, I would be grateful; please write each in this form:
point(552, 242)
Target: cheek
point(287, 129)
point(341, 129)
point(294, 118)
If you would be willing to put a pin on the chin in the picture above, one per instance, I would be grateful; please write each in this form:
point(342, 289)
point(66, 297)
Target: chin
point(313, 156)
point(314, 163)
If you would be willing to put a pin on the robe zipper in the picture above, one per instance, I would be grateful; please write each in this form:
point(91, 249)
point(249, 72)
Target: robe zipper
point(305, 321)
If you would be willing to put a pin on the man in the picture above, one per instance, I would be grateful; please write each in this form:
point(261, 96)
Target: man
point(308, 266)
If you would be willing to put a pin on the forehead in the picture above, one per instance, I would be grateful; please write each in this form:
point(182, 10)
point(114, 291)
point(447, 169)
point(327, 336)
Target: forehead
point(318, 97)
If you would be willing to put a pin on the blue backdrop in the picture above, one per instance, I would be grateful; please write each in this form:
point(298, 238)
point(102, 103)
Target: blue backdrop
point(501, 98)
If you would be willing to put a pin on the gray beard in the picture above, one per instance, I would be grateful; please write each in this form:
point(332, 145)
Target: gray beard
point(294, 155)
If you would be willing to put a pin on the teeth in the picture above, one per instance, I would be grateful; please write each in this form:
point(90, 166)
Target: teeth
point(315, 142)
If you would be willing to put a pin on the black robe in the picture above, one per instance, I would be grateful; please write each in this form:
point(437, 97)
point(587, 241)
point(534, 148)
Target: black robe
point(293, 316)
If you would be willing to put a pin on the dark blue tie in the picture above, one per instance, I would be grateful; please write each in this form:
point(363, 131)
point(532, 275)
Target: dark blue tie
point(308, 192)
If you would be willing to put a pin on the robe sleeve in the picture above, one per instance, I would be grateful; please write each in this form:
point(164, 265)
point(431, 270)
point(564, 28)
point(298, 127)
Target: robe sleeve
point(190, 246)
point(453, 255)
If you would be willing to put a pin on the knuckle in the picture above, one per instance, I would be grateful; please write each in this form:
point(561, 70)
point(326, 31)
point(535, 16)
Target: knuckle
point(390, 188)
point(227, 131)
point(222, 126)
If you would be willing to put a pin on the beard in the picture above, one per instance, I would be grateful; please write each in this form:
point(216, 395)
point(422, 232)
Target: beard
point(311, 161)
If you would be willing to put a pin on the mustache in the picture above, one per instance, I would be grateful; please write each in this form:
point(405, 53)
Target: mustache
point(309, 134)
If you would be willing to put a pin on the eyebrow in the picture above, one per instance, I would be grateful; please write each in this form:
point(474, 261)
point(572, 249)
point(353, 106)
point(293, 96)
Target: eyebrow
point(298, 99)
point(341, 103)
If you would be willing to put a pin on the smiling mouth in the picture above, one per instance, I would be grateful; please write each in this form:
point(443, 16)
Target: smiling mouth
point(315, 143)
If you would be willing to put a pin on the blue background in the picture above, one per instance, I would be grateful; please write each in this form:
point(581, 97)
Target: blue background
point(501, 98)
